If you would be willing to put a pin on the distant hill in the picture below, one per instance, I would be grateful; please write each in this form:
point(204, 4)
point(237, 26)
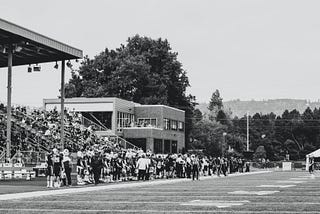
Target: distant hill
point(277, 106)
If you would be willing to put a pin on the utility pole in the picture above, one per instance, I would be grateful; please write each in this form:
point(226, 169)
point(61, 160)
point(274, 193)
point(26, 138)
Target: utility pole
point(247, 131)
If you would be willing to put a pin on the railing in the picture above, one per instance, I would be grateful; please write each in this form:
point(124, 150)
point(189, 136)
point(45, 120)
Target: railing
point(28, 158)
point(122, 142)
point(98, 121)
point(35, 144)
point(3, 156)
point(137, 125)
point(95, 127)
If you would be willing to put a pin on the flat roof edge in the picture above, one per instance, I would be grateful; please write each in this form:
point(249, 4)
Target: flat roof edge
point(141, 106)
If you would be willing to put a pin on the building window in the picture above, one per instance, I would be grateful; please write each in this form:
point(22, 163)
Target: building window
point(167, 146)
point(124, 120)
point(157, 147)
point(154, 122)
point(181, 126)
point(174, 125)
point(147, 122)
point(174, 146)
point(166, 122)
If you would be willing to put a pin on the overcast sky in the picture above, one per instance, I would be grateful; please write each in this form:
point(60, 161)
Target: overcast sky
point(248, 49)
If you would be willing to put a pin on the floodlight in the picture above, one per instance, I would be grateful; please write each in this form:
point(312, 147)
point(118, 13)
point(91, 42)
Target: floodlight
point(29, 69)
point(69, 65)
point(3, 49)
point(36, 67)
point(17, 48)
point(56, 66)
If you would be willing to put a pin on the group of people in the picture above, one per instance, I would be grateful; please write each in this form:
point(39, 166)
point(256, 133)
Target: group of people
point(36, 130)
point(100, 164)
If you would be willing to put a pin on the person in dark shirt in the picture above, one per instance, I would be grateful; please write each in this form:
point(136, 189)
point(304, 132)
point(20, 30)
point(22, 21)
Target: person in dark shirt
point(96, 165)
point(66, 163)
point(49, 171)
point(57, 166)
point(195, 167)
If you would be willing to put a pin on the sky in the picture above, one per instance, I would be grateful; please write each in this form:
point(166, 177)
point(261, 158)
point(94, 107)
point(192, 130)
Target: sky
point(248, 49)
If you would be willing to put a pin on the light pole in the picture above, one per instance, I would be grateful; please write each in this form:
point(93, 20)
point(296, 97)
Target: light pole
point(248, 131)
point(223, 142)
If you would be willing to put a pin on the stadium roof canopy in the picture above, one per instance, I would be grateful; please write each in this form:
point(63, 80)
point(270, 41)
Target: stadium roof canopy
point(30, 47)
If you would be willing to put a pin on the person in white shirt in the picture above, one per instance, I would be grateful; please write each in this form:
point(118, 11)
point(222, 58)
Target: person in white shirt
point(142, 166)
point(188, 166)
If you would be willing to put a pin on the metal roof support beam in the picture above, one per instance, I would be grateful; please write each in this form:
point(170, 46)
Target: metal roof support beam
point(9, 94)
point(62, 90)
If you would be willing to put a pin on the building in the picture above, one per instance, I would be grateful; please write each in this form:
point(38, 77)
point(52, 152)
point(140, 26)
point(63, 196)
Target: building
point(158, 128)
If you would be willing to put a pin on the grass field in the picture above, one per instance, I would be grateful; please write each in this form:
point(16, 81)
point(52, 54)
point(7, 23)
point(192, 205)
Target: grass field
point(275, 192)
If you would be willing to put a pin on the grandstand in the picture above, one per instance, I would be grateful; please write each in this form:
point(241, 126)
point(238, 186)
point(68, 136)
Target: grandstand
point(20, 46)
point(36, 132)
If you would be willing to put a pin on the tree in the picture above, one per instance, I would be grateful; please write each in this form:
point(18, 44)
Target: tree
point(260, 153)
point(215, 105)
point(144, 70)
point(215, 101)
point(197, 115)
point(208, 135)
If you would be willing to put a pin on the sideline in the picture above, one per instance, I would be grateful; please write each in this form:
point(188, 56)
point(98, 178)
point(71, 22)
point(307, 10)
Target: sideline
point(15, 196)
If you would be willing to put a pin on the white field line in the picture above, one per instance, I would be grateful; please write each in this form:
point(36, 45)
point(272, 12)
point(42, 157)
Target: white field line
point(215, 203)
point(219, 196)
point(300, 178)
point(163, 202)
point(291, 182)
point(105, 187)
point(220, 186)
point(152, 211)
point(242, 192)
point(276, 186)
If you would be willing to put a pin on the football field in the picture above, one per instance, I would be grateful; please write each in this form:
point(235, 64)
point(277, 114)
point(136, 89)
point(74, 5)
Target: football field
point(265, 192)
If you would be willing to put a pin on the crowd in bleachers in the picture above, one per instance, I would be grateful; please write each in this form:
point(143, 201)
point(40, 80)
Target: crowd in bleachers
point(40, 129)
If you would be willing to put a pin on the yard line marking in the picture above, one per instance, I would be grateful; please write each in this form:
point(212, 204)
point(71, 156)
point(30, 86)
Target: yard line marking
point(153, 211)
point(241, 192)
point(299, 178)
point(279, 186)
point(157, 202)
point(186, 197)
point(309, 176)
point(218, 204)
point(104, 187)
point(293, 182)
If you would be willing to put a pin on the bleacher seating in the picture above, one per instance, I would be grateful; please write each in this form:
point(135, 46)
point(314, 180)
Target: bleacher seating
point(39, 130)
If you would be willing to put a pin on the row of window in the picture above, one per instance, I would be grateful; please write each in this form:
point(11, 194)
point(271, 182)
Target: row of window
point(173, 125)
point(165, 146)
point(128, 120)
point(142, 122)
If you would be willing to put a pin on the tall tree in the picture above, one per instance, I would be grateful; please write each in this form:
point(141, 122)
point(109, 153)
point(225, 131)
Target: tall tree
point(215, 105)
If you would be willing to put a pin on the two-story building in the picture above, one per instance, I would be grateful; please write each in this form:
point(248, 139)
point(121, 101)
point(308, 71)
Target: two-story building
point(158, 128)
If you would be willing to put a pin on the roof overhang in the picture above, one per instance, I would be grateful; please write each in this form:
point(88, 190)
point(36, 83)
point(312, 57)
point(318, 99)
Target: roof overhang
point(30, 47)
